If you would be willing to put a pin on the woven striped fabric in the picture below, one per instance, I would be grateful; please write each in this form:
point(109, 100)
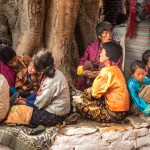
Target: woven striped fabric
point(111, 9)
point(134, 48)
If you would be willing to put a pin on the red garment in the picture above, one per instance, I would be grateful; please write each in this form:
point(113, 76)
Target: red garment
point(8, 73)
point(92, 53)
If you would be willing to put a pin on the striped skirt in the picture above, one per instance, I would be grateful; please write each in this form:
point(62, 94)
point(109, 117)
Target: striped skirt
point(134, 48)
point(95, 109)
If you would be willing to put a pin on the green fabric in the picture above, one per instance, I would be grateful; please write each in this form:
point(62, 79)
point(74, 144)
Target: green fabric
point(19, 138)
point(147, 110)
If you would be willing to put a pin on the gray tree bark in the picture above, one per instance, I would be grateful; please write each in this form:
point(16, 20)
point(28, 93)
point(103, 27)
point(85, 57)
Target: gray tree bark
point(31, 24)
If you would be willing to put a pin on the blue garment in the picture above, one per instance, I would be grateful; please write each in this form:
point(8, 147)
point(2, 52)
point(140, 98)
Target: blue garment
point(31, 100)
point(134, 87)
point(12, 91)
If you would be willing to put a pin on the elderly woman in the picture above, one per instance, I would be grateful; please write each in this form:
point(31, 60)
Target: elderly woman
point(89, 64)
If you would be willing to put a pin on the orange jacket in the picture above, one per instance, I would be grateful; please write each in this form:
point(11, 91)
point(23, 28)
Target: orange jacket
point(110, 82)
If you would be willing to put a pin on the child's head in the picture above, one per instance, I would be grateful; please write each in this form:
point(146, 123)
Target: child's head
point(146, 58)
point(111, 52)
point(8, 56)
point(138, 70)
point(43, 62)
point(31, 69)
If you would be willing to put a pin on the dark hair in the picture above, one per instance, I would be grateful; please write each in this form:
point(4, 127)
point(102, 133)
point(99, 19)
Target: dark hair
point(121, 18)
point(103, 26)
point(145, 56)
point(137, 64)
point(113, 51)
point(6, 54)
point(43, 59)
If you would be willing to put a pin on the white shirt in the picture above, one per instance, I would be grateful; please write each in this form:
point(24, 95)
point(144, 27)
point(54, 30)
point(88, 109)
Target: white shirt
point(54, 96)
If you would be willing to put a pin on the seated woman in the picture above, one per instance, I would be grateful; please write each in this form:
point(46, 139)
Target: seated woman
point(12, 64)
point(139, 106)
point(89, 64)
point(52, 101)
point(108, 98)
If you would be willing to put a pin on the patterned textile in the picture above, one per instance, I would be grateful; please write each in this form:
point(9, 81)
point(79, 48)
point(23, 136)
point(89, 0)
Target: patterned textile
point(96, 109)
point(19, 138)
point(144, 93)
point(22, 79)
point(131, 27)
point(8, 73)
point(24, 62)
point(45, 118)
point(136, 47)
point(111, 10)
point(119, 31)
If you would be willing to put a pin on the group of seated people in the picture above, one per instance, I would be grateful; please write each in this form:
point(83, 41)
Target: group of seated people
point(44, 89)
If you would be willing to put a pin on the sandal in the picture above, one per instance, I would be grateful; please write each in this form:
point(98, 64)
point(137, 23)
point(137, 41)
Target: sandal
point(72, 119)
point(13, 99)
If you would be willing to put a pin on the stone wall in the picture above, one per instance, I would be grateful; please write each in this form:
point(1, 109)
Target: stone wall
point(93, 136)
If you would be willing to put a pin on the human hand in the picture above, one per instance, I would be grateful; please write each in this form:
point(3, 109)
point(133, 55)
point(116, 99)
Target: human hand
point(90, 74)
point(85, 73)
point(24, 88)
point(93, 75)
point(21, 101)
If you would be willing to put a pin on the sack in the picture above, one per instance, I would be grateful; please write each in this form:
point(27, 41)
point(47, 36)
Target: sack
point(19, 114)
point(144, 93)
point(4, 97)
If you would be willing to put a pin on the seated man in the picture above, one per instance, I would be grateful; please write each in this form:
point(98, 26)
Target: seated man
point(108, 98)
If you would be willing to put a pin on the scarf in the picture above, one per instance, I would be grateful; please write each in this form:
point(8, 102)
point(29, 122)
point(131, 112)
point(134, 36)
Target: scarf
point(147, 6)
point(130, 32)
point(133, 3)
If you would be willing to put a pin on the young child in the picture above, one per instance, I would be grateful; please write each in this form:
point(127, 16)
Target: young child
point(108, 98)
point(27, 80)
point(134, 85)
point(52, 101)
point(146, 60)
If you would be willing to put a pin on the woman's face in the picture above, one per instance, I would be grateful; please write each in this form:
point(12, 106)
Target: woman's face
point(103, 58)
point(106, 36)
point(139, 74)
point(13, 63)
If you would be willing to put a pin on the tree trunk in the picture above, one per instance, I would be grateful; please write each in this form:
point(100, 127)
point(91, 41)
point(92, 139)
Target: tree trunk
point(85, 32)
point(32, 37)
point(31, 24)
point(60, 24)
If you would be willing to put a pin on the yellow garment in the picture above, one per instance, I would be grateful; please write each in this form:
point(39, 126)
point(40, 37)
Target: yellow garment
point(110, 82)
point(19, 114)
point(80, 70)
